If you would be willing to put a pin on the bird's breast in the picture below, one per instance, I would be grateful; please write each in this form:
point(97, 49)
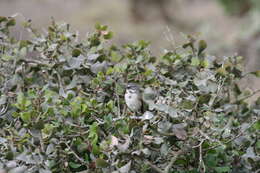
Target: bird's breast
point(133, 101)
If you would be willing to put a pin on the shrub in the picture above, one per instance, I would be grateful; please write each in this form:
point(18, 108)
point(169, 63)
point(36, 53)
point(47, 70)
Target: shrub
point(63, 107)
point(240, 7)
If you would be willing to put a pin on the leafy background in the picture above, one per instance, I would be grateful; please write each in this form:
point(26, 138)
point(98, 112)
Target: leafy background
point(227, 34)
point(62, 106)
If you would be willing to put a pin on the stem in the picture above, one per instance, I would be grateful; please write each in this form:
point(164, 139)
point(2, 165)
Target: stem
point(77, 157)
point(232, 139)
point(169, 166)
point(246, 97)
point(154, 167)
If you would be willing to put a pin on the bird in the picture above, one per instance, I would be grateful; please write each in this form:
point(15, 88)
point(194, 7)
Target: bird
point(133, 97)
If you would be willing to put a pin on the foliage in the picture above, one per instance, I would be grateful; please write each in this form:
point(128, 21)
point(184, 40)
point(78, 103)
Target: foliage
point(239, 7)
point(63, 108)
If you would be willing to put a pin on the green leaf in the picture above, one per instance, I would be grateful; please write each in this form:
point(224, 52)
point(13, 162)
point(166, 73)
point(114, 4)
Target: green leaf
point(202, 46)
point(47, 131)
point(257, 145)
point(95, 149)
point(110, 71)
point(108, 35)
point(119, 89)
point(224, 169)
point(6, 57)
point(74, 165)
point(115, 56)
point(257, 125)
point(187, 104)
point(100, 27)
point(205, 63)
point(187, 45)
point(190, 43)
point(23, 51)
point(195, 61)
point(164, 108)
point(101, 163)
point(93, 133)
point(222, 71)
point(2, 19)
point(22, 101)
point(39, 125)
point(11, 22)
point(143, 44)
point(211, 160)
point(97, 26)
point(110, 104)
point(24, 43)
point(82, 147)
point(76, 52)
point(149, 94)
point(256, 73)
point(26, 116)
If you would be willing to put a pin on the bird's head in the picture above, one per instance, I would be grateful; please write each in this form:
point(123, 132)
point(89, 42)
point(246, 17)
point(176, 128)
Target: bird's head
point(132, 88)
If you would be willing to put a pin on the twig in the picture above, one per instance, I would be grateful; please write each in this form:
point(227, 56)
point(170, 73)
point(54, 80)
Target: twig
point(173, 159)
point(84, 93)
point(124, 111)
point(4, 109)
point(118, 103)
point(35, 61)
point(220, 87)
point(77, 135)
point(75, 154)
point(75, 125)
point(246, 97)
point(232, 139)
point(210, 139)
point(201, 162)
point(154, 167)
point(163, 133)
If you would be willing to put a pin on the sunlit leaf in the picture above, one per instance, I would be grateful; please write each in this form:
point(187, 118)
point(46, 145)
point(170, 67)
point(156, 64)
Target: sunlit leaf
point(11, 22)
point(101, 163)
point(202, 46)
point(195, 61)
point(256, 73)
point(74, 165)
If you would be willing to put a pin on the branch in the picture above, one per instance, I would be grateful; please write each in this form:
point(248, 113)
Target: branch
point(118, 103)
point(201, 162)
point(154, 167)
point(75, 154)
point(235, 137)
point(162, 133)
point(169, 166)
point(246, 97)
point(210, 139)
point(201, 158)
point(38, 62)
point(75, 125)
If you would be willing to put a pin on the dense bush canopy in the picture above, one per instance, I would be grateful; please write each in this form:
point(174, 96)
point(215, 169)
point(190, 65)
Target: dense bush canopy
point(63, 110)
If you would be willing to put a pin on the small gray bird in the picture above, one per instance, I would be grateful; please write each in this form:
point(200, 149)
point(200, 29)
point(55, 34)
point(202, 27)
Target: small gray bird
point(133, 97)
